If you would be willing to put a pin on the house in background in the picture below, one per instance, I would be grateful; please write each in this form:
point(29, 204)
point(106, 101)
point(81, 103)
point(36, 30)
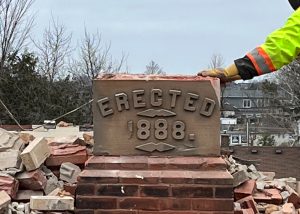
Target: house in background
point(256, 114)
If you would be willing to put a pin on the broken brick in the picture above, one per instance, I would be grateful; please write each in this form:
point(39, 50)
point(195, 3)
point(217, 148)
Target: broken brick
point(294, 198)
point(71, 188)
point(269, 196)
point(67, 153)
point(4, 200)
point(9, 184)
point(239, 177)
point(69, 172)
point(244, 190)
point(248, 202)
point(34, 180)
point(35, 154)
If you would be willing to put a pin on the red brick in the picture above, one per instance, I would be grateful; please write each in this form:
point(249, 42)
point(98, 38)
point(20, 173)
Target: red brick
point(272, 196)
point(196, 163)
point(224, 192)
point(116, 212)
point(85, 189)
point(192, 192)
point(248, 202)
point(294, 199)
point(78, 211)
point(140, 177)
point(34, 180)
point(92, 202)
point(133, 162)
point(139, 203)
point(176, 177)
point(212, 204)
point(117, 190)
point(245, 189)
point(158, 163)
point(9, 184)
point(213, 177)
point(154, 191)
point(71, 188)
point(180, 204)
point(76, 158)
point(99, 176)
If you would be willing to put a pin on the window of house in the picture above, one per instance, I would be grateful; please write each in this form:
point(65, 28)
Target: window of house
point(247, 103)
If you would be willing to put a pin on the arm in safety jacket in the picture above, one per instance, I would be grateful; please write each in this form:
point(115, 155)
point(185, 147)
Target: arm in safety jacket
point(281, 47)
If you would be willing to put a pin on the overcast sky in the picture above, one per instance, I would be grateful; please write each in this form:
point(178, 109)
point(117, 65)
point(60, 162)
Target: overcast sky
point(180, 35)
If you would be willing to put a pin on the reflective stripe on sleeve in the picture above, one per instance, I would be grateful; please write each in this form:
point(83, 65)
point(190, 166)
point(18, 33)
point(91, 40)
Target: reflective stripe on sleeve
point(261, 61)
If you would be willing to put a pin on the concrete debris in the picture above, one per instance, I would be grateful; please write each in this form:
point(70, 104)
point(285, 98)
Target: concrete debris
point(64, 124)
point(69, 172)
point(35, 154)
point(51, 203)
point(10, 159)
point(259, 192)
point(4, 200)
point(27, 185)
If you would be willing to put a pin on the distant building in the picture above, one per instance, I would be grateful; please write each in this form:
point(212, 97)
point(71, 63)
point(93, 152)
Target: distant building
point(263, 113)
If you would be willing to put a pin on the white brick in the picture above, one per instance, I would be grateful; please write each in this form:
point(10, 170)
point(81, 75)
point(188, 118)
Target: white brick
point(69, 172)
point(35, 154)
point(4, 199)
point(51, 203)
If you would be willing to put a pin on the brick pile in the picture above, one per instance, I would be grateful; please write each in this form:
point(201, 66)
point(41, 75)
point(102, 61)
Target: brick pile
point(146, 185)
point(258, 192)
point(39, 174)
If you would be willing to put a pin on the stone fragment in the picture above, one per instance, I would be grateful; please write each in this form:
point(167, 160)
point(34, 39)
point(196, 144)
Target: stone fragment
point(51, 203)
point(260, 185)
point(52, 183)
point(35, 154)
point(268, 176)
point(239, 178)
point(64, 124)
point(4, 200)
point(244, 190)
point(9, 184)
point(24, 195)
point(288, 208)
point(9, 140)
point(285, 195)
point(10, 159)
point(69, 172)
point(88, 138)
point(252, 168)
point(34, 180)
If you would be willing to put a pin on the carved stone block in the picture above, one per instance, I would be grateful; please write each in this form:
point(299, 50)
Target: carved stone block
point(156, 115)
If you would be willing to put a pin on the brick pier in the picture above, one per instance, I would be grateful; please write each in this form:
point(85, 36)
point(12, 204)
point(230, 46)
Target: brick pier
point(146, 185)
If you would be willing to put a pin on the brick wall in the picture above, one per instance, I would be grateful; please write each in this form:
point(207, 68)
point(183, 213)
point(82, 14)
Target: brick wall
point(282, 160)
point(145, 185)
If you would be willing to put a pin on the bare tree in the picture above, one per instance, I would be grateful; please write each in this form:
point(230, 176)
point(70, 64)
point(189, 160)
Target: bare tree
point(15, 26)
point(95, 58)
point(216, 61)
point(154, 68)
point(54, 50)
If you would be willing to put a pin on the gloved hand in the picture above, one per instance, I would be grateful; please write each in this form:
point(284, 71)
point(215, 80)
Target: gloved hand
point(228, 74)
